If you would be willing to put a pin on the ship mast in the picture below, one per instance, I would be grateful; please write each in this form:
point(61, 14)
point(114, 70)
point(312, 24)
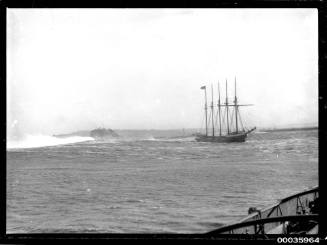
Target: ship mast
point(226, 103)
point(236, 108)
point(212, 112)
point(205, 107)
point(219, 110)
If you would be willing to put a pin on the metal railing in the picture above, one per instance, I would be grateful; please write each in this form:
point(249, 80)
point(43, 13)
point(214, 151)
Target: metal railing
point(259, 224)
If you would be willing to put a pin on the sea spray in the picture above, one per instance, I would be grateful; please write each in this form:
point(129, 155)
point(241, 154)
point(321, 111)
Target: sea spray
point(32, 141)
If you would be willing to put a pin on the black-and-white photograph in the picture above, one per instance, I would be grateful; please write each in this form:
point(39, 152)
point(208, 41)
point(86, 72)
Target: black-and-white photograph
point(162, 121)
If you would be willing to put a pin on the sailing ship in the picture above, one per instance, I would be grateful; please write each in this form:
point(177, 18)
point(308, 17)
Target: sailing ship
point(229, 121)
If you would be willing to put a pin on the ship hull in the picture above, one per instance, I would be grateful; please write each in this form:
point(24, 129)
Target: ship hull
point(222, 139)
point(294, 207)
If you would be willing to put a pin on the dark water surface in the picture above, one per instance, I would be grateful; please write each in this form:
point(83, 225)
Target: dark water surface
point(155, 185)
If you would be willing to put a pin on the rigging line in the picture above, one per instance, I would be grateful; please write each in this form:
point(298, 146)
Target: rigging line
point(225, 121)
point(222, 117)
point(216, 123)
point(246, 128)
point(209, 120)
point(237, 118)
point(231, 120)
point(241, 121)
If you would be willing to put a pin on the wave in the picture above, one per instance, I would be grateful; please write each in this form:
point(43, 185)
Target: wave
point(179, 139)
point(126, 139)
point(260, 132)
point(32, 141)
point(161, 139)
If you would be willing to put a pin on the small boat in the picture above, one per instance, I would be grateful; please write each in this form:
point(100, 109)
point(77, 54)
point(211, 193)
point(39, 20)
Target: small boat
point(229, 123)
point(296, 214)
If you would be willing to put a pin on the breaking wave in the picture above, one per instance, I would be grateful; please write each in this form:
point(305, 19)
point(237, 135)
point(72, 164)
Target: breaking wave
point(179, 139)
point(31, 141)
point(162, 139)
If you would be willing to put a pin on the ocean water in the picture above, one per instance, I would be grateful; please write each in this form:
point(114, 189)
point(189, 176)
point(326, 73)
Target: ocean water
point(153, 184)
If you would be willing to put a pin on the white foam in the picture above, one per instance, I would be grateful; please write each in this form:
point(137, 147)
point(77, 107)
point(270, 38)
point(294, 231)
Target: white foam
point(180, 139)
point(31, 141)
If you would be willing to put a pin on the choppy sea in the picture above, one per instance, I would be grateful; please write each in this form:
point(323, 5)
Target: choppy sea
point(153, 183)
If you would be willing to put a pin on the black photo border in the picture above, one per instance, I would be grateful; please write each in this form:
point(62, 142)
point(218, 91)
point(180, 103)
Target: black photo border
point(33, 238)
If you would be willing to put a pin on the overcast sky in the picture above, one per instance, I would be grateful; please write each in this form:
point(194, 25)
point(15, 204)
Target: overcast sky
point(75, 69)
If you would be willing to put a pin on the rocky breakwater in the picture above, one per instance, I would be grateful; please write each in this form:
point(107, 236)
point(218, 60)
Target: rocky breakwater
point(97, 134)
point(103, 134)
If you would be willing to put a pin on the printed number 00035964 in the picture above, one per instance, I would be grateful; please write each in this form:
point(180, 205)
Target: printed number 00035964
point(298, 239)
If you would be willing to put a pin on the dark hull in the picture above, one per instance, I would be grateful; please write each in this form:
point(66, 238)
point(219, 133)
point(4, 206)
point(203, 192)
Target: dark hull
point(222, 139)
point(297, 214)
point(230, 138)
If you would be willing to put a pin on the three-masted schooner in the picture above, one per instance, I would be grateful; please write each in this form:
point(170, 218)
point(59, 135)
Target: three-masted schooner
point(230, 126)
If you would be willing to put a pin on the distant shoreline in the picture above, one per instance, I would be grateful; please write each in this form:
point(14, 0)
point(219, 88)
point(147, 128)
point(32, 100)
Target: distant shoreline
point(197, 129)
point(185, 131)
point(289, 129)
